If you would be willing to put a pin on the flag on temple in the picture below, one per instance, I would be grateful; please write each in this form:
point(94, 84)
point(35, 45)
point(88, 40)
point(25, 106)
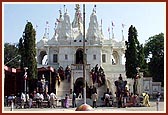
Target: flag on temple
point(108, 29)
point(112, 23)
point(123, 25)
point(58, 20)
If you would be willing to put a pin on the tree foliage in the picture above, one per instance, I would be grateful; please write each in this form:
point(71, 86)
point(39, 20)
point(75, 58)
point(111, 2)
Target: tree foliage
point(11, 55)
point(27, 51)
point(134, 53)
point(154, 49)
point(131, 53)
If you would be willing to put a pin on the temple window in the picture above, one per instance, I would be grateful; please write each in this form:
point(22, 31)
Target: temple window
point(94, 57)
point(104, 58)
point(55, 58)
point(66, 57)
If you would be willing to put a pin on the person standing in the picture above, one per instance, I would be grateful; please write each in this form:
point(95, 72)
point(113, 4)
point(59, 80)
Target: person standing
point(23, 100)
point(74, 100)
point(52, 99)
point(37, 97)
point(94, 98)
point(146, 100)
point(158, 96)
point(66, 101)
point(30, 100)
point(125, 97)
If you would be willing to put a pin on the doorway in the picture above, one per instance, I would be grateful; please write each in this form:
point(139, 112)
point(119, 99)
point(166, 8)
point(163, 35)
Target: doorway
point(79, 56)
point(78, 86)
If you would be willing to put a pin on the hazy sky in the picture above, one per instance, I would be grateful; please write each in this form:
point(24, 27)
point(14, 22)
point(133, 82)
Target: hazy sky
point(148, 18)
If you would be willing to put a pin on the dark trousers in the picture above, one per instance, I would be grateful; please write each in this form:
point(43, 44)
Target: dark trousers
point(94, 104)
point(73, 103)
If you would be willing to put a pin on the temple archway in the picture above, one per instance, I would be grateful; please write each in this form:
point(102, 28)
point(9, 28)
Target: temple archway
point(41, 57)
point(79, 56)
point(78, 86)
point(115, 57)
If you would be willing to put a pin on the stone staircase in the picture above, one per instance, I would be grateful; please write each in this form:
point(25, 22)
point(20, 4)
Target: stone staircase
point(63, 88)
point(100, 92)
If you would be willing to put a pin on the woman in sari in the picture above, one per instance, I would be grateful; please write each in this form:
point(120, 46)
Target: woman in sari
point(66, 101)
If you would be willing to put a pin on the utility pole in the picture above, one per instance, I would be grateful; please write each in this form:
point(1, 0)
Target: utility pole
point(84, 56)
point(25, 87)
point(84, 107)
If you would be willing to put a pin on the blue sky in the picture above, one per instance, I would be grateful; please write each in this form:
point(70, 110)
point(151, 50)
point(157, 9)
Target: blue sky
point(148, 18)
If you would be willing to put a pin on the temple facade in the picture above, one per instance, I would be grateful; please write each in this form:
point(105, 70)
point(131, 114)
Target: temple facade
point(65, 47)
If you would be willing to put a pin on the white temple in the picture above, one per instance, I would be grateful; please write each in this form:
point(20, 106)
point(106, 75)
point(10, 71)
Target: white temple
point(66, 48)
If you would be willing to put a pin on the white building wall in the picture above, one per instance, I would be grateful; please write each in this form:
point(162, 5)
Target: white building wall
point(93, 51)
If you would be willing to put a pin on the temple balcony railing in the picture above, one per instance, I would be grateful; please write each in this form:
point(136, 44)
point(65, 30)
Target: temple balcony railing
point(79, 66)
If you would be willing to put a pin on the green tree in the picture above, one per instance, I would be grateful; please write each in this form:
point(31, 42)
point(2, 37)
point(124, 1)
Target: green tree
point(131, 53)
point(21, 52)
point(154, 50)
point(141, 58)
point(11, 55)
point(134, 56)
point(27, 50)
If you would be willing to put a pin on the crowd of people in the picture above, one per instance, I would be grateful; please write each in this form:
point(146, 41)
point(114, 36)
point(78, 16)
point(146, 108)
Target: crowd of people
point(64, 74)
point(124, 97)
point(96, 73)
point(40, 100)
point(35, 99)
point(98, 76)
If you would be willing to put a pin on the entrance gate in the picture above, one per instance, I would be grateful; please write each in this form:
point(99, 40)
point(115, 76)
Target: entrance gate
point(77, 82)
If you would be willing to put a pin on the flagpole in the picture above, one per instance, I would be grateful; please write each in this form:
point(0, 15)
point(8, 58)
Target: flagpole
point(47, 30)
point(112, 33)
point(109, 32)
point(122, 35)
point(55, 28)
point(84, 107)
point(101, 27)
point(122, 32)
point(84, 56)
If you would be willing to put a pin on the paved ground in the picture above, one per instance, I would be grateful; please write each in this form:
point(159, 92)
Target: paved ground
point(151, 109)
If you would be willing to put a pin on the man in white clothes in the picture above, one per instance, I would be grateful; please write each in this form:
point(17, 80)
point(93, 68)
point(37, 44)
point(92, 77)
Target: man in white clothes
point(94, 98)
point(23, 100)
point(52, 99)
